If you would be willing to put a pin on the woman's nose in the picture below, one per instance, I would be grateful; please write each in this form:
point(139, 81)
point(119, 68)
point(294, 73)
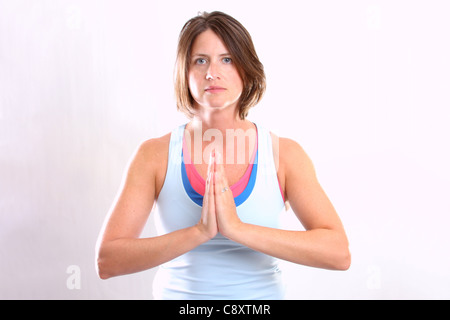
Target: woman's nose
point(212, 72)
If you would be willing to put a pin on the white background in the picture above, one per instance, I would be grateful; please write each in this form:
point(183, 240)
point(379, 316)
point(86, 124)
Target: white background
point(362, 85)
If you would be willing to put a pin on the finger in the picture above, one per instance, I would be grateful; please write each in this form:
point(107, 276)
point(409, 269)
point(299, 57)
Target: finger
point(208, 200)
point(211, 162)
point(207, 185)
point(208, 190)
point(206, 195)
point(213, 168)
point(211, 204)
point(220, 183)
point(218, 161)
point(217, 170)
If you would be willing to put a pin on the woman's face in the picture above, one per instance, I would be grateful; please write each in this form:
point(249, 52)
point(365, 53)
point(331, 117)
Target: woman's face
point(214, 80)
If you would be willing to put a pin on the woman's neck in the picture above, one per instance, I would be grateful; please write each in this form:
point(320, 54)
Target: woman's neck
point(222, 119)
point(222, 131)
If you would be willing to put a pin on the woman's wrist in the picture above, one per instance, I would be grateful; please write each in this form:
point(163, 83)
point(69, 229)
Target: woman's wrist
point(201, 233)
point(234, 231)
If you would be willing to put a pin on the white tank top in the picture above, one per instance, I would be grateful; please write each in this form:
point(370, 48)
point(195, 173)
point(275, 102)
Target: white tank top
point(220, 268)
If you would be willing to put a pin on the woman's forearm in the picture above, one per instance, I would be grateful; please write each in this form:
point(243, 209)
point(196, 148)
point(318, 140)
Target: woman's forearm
point(322, 248)
point(124, 256)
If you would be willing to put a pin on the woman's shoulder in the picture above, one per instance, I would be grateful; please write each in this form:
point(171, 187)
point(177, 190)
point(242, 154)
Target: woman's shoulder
point(151, 159)
point(288, 152)
point(156, 150)
point(150, 153)
point(287, 146)
point(153, 147)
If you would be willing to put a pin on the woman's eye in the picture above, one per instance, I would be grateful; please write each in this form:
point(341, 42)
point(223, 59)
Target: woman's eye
point(200, 61)
point(226, 60)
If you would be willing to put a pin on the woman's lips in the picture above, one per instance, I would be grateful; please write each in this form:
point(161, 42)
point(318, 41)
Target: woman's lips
point(215, 89)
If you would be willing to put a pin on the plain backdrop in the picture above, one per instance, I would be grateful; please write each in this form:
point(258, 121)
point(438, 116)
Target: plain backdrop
point(362, 85)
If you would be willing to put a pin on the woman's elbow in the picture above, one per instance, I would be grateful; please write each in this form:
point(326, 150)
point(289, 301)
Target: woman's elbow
point(102, 266)
point(344, 261)
point(101, 271)
point(343, 257)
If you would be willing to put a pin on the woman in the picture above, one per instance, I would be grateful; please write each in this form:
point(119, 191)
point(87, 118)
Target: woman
point(218, 200)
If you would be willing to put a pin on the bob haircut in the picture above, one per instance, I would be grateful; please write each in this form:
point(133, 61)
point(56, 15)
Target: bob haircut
point(240, 45)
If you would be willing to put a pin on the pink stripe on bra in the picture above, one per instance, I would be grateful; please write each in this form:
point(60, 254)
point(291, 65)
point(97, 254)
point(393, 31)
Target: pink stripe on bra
point(198, 183)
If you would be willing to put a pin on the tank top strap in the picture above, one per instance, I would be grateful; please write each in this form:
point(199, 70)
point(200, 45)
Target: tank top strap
point(175, 146)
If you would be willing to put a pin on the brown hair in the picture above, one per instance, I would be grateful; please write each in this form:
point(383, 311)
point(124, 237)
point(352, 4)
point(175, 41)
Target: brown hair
point(240, 45)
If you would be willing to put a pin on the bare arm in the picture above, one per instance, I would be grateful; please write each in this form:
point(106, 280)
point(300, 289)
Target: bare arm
point(324, 243)
point(119, 249)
